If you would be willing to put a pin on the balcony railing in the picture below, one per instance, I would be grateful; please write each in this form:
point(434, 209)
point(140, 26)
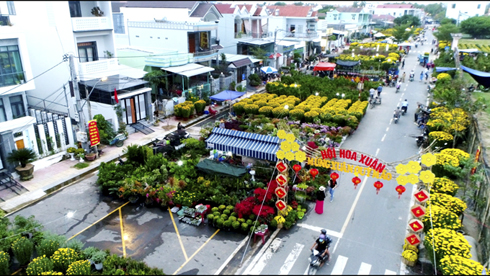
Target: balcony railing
point(80, 24)
point(12, 78)
point(94, 69)
point(251, 35)
point(174, 25)
point(169, 60)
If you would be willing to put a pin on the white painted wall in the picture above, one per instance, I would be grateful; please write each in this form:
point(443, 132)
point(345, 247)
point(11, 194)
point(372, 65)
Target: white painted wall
point(106, 110)
point(145, 14)
point(226, 34)
point(467, 8)
point(104, 41)
point(160, 39)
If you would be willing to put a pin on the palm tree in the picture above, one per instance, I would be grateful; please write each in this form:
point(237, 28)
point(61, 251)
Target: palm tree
point(23, 156)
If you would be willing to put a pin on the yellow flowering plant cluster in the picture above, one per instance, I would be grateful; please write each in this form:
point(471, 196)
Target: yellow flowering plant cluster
point(457, 265)
point(63, 258)
point(443, 185)
point(4, 263)
point(444, 43)
point(374, 45)
point(410, 255)
point(446, 159)
point(408, 246)
point(22, 248)
point(460, 154)
point(441, 218)
point(280, 219)
point(450, 121)
point(39, 265)
point(358, 109)
point(443, 76)
point(51, 273)
point(447, 242)
point(442, 136)
point(81, 267)
point(185, 109)
point(312, 102)
point(451, 203)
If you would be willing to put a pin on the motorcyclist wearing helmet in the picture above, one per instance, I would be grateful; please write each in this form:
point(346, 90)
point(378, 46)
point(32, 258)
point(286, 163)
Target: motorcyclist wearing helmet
point(397, 113)
point(321, 245)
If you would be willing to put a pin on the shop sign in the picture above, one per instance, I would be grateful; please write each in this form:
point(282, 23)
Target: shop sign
point(281, 179)
point(418, 211)
point(344, 167)
point(421, 196)
point(281, 167)
point(93, 133)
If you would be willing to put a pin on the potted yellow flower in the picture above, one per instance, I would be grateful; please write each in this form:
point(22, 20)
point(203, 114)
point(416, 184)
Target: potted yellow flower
point(409, 257)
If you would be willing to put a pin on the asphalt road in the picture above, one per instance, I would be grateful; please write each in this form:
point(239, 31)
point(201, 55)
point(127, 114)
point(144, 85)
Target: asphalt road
point(368, 229)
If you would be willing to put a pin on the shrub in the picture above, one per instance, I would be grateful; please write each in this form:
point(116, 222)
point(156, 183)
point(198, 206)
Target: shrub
point(235, 225)
point(244, 227)
point(51, 273)
point(254, 79)
point(457, 265)
point(233, 214)
point(251, 109)
point(224, 216)
point(106, 130)
point(227, 224)
point(22, 249)
point(441, 218)
point(214, 209)
point(210, 217)
point(446, 243)
point(221, 208)
point(266, 111)
point(50, 244)
point(443, 185)
point(199, 106)
point(310, 116)
point(279, 112)
point(4, 263)
point(99, 257)
point(461, 155)
point(22, 156)
point(217, 214)
point(410, 255)
point(220, 223)
point(239, 108)
point(39, 265)
point(297, 114)
point(226, 212)
point(249, 221)
point(81, 267)
point(89, 252)
point(63, 258)
point(451, 203)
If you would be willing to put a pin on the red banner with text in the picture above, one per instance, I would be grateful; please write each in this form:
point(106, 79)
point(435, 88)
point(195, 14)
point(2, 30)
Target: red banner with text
point(93, 133)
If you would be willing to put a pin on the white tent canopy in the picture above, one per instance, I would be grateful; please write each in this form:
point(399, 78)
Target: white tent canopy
point(379, 35)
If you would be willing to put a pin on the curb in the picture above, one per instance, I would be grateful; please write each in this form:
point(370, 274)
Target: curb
point(74, 179)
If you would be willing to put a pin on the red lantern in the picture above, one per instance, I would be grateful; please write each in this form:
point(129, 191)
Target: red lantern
point(334, 176)
point(314, 173)
point(378, 185)
point(356, 180)
point(400, 189)
point(297, 168)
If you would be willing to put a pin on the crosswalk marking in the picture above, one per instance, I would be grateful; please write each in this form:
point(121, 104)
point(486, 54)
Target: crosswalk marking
point(339, 265)
point(389, 272)
point(318, 229)
point(260, 265)
point(291, 259)
point(364, 269)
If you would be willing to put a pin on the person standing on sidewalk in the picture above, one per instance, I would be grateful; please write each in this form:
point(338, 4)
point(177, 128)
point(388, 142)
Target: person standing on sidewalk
point(403, 63)
point(320, 197)
point(332, 184)
point(403, 76)
point(421, 75)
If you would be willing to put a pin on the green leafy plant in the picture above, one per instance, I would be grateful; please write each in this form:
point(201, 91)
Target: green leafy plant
point(99, 257)
point(22, 249)
point(49, 244)
point(39, 265)
point(81, 267)
point(89, 252)
point(63, 258)
point(71, 150)
point(76, 245)
point(4, 263)
point(81, 165)
point(22, 156)
point(106, 130)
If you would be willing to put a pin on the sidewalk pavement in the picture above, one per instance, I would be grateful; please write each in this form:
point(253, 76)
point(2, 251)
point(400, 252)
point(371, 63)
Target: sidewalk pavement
point(54, 177)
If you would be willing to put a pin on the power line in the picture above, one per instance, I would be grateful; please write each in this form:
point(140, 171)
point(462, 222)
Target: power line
point(33, 78)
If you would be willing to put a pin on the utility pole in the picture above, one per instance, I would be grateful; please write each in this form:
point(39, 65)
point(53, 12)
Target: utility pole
point(81, 123)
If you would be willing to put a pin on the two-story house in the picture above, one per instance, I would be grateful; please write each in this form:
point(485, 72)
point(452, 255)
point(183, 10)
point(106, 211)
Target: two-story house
point(16, 127)
point(398, 10)
point(464, 10)
point(351, 20)
point(181, 34)
point(84, 30)
point(294, 28)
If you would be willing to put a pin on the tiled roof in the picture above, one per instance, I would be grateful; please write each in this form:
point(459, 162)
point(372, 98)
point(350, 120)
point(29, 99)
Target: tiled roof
point(382, 17)
point(290, 10)
point(201, 10)
point(395, 6)
point(257, 11)
point(161, 4)
point(248, 7)
point(349, 9)
point(224, 8)
point(315, 13)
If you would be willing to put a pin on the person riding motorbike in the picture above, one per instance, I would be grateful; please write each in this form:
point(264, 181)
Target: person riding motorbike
point(371, 93)
point(397, 113)
point(398, 86)
point(380, 88)
point(405, 106)
point(321, 245)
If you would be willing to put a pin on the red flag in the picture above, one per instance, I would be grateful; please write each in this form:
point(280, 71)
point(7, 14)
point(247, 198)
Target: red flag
point(115, 96)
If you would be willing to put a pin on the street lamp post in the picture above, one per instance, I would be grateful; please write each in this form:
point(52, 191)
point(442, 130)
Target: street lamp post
point(87, 100)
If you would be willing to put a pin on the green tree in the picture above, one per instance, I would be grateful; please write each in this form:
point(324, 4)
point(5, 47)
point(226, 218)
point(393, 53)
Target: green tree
point(298, 3)
point(477, 27)
point(156, 79)
point(448, 21)
point(326, 8)
point(400, 34)
point(407, 19)
point(259, 53)
point(362, 4)
point(355, 4)
point(280, 4)
point(444, 32)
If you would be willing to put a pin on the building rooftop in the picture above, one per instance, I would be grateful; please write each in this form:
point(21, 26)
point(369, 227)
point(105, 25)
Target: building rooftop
point(349, 9)
point(290, 10)
point(201, 10)
point(224, 8)
point(395, 6)
point(161, 4)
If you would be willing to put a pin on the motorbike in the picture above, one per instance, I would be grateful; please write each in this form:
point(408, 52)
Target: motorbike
point(395, 117)
point(171, 142)
point(374, 101)
point(397, 88)
point(315, 260)
point(422, 140)
point(412, 76)
point(404, 109)
point(471, 88)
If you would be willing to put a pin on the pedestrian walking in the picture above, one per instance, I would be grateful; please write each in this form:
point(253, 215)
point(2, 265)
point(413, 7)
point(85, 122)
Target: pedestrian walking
point(320, 197)
point(421, 75)
point(403, 63)
point(332, 183)
point(431, 50)
point(416, 114)
point(403, 77)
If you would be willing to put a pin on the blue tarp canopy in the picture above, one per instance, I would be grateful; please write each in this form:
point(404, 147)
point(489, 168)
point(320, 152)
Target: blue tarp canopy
point(483, 78)
point(227, 95)
point(444, 69)
point(244, 143)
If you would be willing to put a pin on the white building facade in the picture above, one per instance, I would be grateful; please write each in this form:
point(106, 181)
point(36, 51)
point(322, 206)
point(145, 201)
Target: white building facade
point(460, 11)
